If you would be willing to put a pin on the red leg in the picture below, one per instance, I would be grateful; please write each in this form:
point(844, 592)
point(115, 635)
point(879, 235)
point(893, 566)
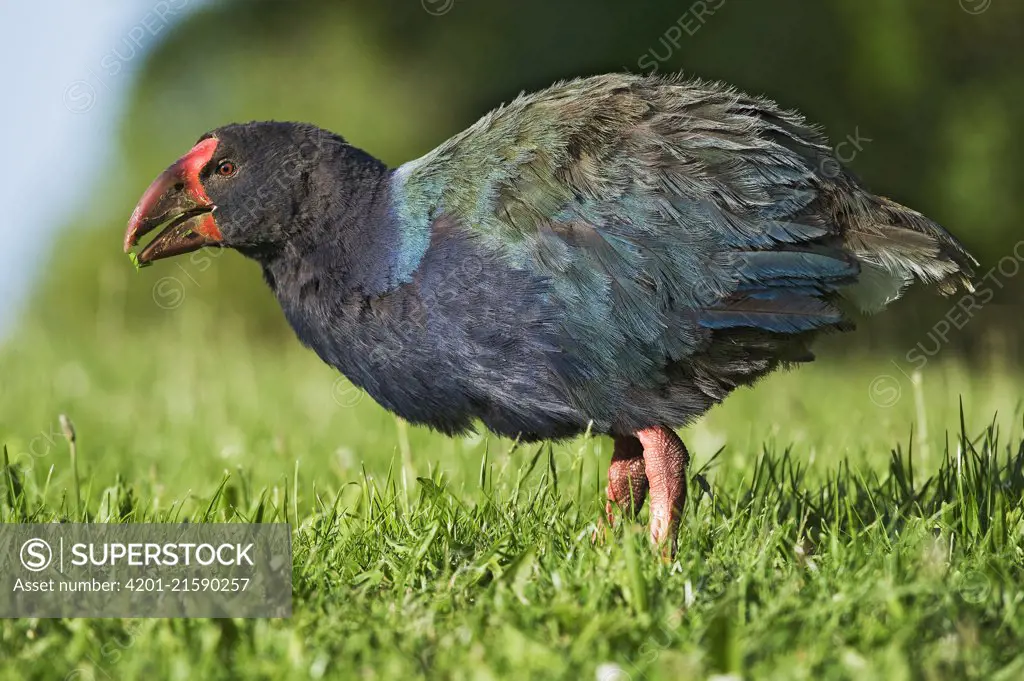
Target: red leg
point(665, 460)
point(627, 479)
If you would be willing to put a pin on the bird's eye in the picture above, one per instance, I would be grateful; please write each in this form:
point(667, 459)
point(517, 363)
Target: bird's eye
point(226, 169)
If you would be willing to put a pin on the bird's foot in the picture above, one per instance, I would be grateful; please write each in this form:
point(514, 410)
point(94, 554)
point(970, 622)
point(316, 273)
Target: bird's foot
point(665, 460)
point(627, 479)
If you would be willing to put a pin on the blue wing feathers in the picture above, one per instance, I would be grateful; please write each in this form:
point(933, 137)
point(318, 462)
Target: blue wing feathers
point(786, 313)
point(763, 266)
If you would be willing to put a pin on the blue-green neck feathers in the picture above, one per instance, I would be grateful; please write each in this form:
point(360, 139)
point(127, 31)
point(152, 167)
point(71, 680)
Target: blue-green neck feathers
point(412, 216)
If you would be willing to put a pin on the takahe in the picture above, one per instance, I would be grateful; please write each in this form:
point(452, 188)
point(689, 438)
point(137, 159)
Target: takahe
point(618, 252)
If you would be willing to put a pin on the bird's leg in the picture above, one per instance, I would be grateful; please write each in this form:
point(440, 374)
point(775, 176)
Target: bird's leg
point(665, 460)
point(627, 479)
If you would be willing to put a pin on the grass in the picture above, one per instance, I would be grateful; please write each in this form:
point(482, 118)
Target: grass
point(837, 526)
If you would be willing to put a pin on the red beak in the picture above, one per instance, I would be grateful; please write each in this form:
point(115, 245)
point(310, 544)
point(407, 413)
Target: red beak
point(176, 196)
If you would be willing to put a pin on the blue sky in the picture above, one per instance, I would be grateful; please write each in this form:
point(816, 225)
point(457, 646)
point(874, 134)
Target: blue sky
point(67, 65)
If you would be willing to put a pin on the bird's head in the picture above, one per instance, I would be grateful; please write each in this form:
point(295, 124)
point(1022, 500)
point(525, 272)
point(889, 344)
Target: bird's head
point(241, 186)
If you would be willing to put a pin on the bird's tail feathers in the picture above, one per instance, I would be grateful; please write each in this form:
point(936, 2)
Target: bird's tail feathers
point(896, 245)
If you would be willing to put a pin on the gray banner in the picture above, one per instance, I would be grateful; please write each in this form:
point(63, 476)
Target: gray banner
point(145, 570)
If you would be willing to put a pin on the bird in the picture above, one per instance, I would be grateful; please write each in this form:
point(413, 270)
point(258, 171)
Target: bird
point(613, 254)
